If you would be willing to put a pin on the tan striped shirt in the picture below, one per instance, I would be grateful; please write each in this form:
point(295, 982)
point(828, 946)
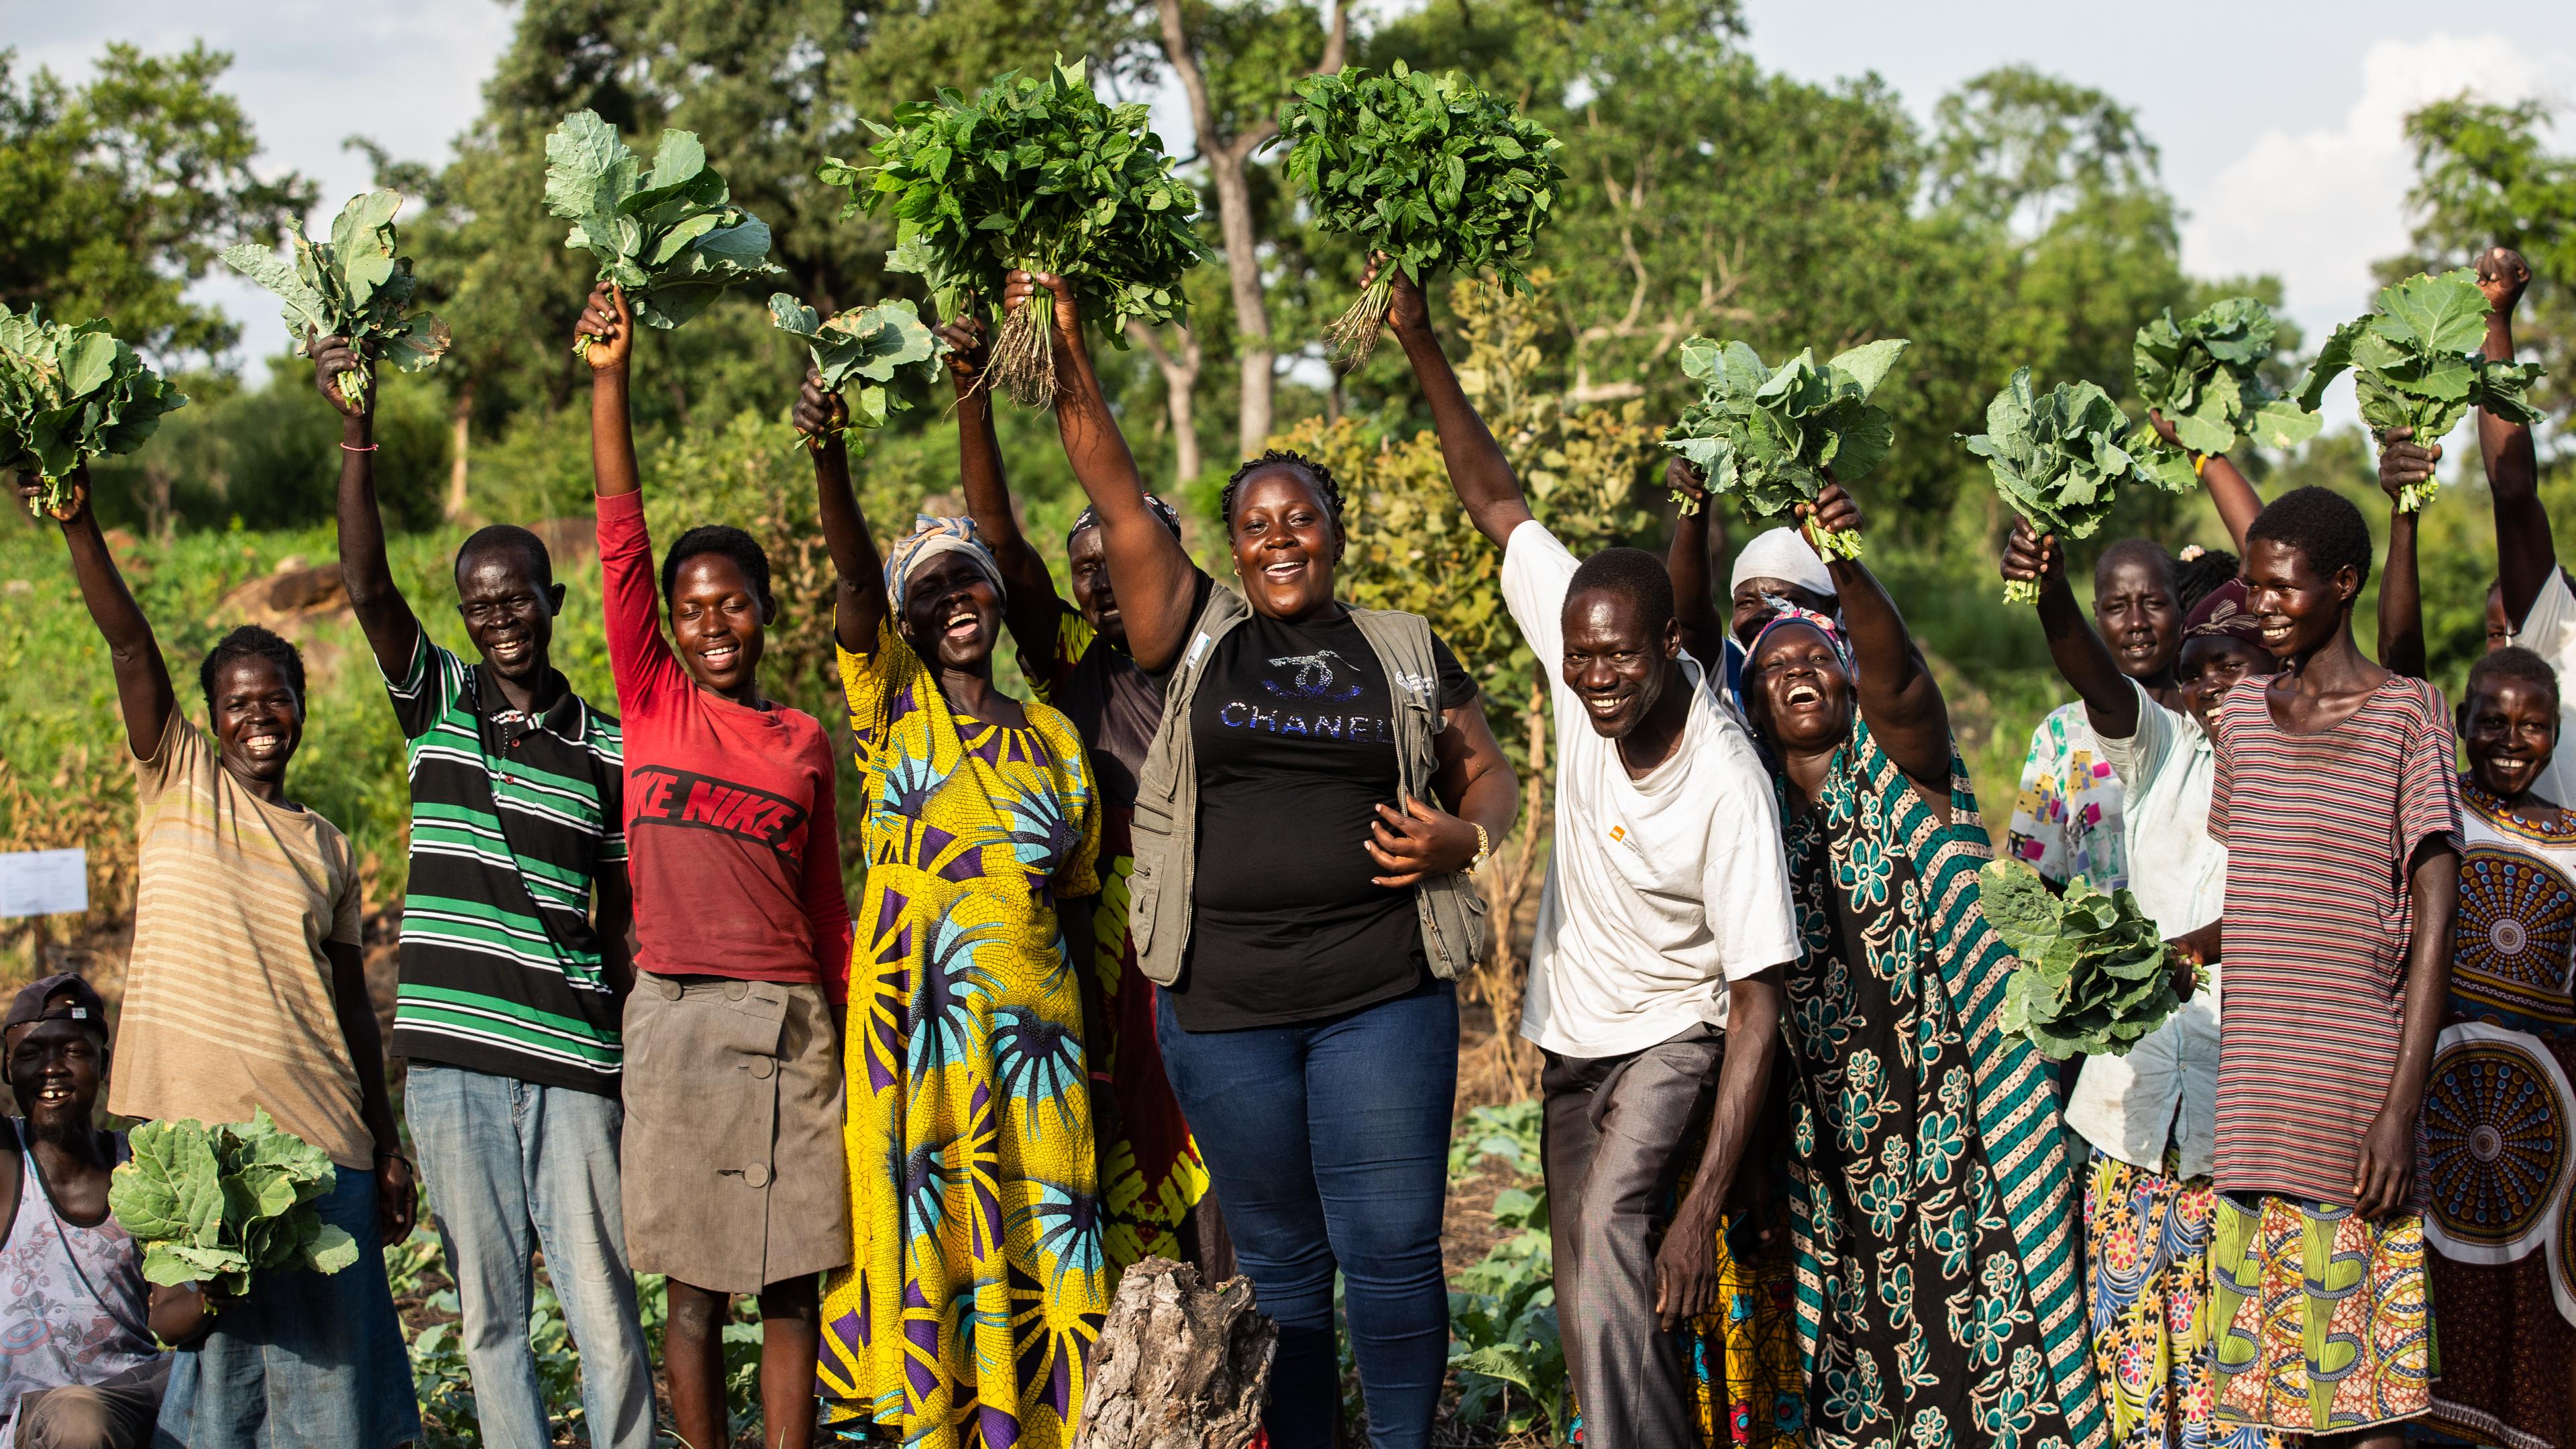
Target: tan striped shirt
point(228, 995)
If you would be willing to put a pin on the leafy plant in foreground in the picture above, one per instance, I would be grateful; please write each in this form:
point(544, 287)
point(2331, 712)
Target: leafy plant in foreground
point(1431, 170)
point(355, 285)
point(865, 346)
point(1769, 437)
point(216, 1205)
point(2204, 375)
point(2416, 364)
point(2057, 460)
point(68, 393)
point(673, 239)
point(2095, 975)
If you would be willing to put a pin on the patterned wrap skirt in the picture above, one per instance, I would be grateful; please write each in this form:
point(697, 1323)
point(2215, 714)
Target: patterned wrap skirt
point(2146, 1239)
point(2321, 1317)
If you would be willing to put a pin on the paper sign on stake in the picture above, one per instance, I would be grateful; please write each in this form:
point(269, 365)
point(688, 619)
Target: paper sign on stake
point(44, 882)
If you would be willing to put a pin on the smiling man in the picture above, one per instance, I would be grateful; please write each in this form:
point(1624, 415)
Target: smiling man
point(514, 967)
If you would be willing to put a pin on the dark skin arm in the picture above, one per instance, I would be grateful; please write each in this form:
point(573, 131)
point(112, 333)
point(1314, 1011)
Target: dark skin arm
point(1081, 954)
point(2385, 1182)
point(143, 692)
point(610, 325)
point(1477, 468)
point(2401, 605)
point(1474, 780)
point(2110, 701)
point(2228, 488)
point(1692, 558)
point(383, 614)
point(1030, 605)
point(396, 1200)
point(1892, 686)
point(2525, 555)
point(858, 596)
point(1686, 1265)
point(612, 914)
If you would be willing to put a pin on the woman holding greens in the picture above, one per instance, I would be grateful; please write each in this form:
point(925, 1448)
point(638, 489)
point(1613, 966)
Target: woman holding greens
point(1303, 902)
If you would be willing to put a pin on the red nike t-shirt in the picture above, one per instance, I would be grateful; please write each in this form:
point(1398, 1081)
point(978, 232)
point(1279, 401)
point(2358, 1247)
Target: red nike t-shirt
point(730, 811)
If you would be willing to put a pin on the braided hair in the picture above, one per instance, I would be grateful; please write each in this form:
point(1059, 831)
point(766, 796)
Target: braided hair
point(1322, 477)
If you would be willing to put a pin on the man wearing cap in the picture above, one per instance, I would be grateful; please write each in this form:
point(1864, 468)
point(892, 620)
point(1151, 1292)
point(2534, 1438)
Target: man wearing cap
point(79, 1368)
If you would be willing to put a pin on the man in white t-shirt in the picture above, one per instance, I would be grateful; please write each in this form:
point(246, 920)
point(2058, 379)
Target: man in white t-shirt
point(1666, 920)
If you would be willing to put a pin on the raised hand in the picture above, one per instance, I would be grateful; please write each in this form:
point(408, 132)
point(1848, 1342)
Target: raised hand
point(2502, 274)
point(1834, 511)
point(1018, 287)
point(820, 414)
point(31, 490)
point(965, 338)
point(610, 326)
point(332, 357)
point(2404, 463)
point(1406, 308)
point(1684, 477)
point(2032, 557)
point(2164, 430)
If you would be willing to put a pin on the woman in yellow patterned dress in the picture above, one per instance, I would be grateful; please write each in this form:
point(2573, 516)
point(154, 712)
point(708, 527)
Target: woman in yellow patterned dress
point(977, 1283)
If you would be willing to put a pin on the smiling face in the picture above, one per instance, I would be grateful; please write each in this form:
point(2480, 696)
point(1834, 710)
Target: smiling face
point(54, 1071)
point(1800, 696)
point(509, 612)
point(257, 718)
point(1285, 542)
point(1087, 559)
point(2135, 609)
point(2211, 665)
point(2510, 728)
point(2300, 608)
point(718, 624)
point(1614, 661)
point(952, 613)
point(1750, 609)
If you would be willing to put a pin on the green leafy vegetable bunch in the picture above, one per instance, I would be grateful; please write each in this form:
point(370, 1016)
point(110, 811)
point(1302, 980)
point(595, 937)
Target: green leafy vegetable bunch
point(2057, 459)
point(1430, 170)
point(860, 352)
point(356, 285)
point(673, 239)
point(2095, 975)
point(216, 1205)
point(2416, 364)
point(1035, 174)
point(68, 393)
point(1769, 436)
point(2204, 375)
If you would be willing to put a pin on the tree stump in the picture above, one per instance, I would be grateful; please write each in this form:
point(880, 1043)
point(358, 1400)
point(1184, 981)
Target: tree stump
point(1178, 1366)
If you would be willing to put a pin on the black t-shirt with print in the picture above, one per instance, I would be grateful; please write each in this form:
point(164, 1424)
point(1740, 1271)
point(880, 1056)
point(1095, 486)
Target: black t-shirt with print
point(1295, 733)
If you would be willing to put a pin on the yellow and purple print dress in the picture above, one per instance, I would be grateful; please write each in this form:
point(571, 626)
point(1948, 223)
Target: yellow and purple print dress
point(977, 1282)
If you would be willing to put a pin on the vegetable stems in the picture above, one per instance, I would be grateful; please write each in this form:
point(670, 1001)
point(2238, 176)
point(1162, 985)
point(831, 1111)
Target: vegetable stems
point(1354, 334)
point(1024, 355)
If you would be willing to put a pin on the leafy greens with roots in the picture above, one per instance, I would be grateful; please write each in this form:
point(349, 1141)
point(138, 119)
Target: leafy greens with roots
point(356, 285)
point(2416, 363)
point(2204, 374)
point(218, 1205)
point(2095, 974)
point(1431, 170)
point(2057, 459)
point(860, 352)
point(1775, 438)
point(1036, 174)
point(70, 393)
point(673, 239)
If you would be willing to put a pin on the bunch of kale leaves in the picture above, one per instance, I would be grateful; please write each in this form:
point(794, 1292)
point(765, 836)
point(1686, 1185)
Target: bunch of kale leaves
point(69, 393)
point(1769, 437)
point(1035, 174)
point(2416, 363)
point(1430, 170)
point(2057, 459)
point(216, 1205)
point(2095, 976)
point(860, 352)
point(673, 239)
point(356, 286)
point(2204, 375)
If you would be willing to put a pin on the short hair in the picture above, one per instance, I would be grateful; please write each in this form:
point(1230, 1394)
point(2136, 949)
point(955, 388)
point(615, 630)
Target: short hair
point(2197, 577)
point(2321, 524)
point(2511, 662)
point(509, 537)
point(1632, 574)
point(2141, 550)
point(250, 641)
point(1317, 473)
point(723, 539)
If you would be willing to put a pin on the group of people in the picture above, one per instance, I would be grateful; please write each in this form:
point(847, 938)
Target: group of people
point(1163, 962)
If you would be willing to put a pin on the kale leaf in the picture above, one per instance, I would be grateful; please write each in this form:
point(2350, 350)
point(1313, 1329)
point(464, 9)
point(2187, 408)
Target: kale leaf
point(672, 239)
point(2204, 375)
point(2095, 974)
point(2057, 459)
point(2416, 363)
point(356, 285)
point(860, 351)
point(216, 1205)
point(69, 393)
point(1770, 437)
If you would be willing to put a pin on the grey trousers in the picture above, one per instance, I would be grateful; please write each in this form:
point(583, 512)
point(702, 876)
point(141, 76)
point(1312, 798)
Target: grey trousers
point(1613, 1140)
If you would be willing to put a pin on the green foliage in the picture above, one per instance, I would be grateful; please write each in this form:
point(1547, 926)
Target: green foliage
point(2416, 364)
point(2486, 177)
point(2205, 376)
point(355, 286)
point(1770, 438)
point(1504, 1343)
point(672, 239)
point(866, 345)
point(2095, 976)
point(2057, 459)
point(71, 393)
point(215, 1205)
point(1431, 170)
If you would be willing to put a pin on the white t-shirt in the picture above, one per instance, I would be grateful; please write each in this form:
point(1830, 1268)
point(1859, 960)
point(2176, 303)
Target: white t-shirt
point(1660, 890)
point(2549, 630)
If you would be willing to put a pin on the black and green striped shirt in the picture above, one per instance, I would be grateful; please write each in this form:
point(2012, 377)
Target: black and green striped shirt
point(513, 816)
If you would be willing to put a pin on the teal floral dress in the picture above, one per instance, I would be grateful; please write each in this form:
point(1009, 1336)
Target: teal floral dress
point(1932, 1208)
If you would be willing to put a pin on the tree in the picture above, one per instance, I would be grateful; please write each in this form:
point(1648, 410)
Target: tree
point(116, 196)
point(2484, 178)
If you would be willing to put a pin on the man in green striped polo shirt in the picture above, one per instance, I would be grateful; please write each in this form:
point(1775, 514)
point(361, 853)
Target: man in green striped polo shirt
point(515, 963)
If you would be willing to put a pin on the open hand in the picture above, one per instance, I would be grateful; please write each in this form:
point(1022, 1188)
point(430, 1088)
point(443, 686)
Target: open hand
point(2386, 1180)
point(610, 326)
point(820, 414)
point(333, 356)
point(965, 338)
point(2502, 274)
point(1417, 842)
point(2404, 463)
point(397, 1198)
point(1686, 1269)
point(1406, 309)
point(1832, 512)
point(2032, 557)
point(1018, 287)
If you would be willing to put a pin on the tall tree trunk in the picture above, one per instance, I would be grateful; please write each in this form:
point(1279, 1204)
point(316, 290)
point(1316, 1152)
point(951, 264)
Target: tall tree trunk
point(1180, 394)
point(459, 436)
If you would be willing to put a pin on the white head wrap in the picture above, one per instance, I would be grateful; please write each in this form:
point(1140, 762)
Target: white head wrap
point(1783, 554)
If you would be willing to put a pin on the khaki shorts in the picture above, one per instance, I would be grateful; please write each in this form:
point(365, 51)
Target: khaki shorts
point(732, 1168)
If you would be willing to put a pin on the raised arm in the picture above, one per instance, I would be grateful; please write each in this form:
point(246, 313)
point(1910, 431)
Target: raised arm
point(2110, 701)
point(2226, 485)
point(610, 325)
point(1693, 558)
point(142, 678)
point(384, 616)
point(1153, 576)
point(1033, 605)
point(1892, 686)
point(858, 593)
point(2525, 554)
point(2401, 606)
point(1477, 468)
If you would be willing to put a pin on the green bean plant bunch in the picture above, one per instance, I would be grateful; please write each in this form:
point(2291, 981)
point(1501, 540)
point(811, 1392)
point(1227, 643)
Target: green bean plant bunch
point(1430, 170)
point(1769, 437)
point(2204, 374)
point(672, 240)
point(1035, 174)
point(2417, 363)
point(860, 353)
point(68, 394)
point(2057, 459)
point(357, 285)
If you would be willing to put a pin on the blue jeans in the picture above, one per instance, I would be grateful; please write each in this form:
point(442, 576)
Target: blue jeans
point(512, 1166)
point(304, 1360)
point(1328, 1143)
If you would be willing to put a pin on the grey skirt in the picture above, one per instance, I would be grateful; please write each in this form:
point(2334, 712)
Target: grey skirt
point(732, 1172)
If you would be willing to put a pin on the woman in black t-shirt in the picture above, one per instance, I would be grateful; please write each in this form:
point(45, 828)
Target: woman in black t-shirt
point(1311, 1047)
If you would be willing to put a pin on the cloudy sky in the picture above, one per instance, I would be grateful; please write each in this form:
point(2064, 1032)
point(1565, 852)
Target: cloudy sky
point(2279, 122)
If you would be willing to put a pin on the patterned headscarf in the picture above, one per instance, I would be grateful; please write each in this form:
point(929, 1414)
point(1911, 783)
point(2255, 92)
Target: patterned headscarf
point(2223, 614)
point(1089, 517)
point(1790, 613)
point(931, 537)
